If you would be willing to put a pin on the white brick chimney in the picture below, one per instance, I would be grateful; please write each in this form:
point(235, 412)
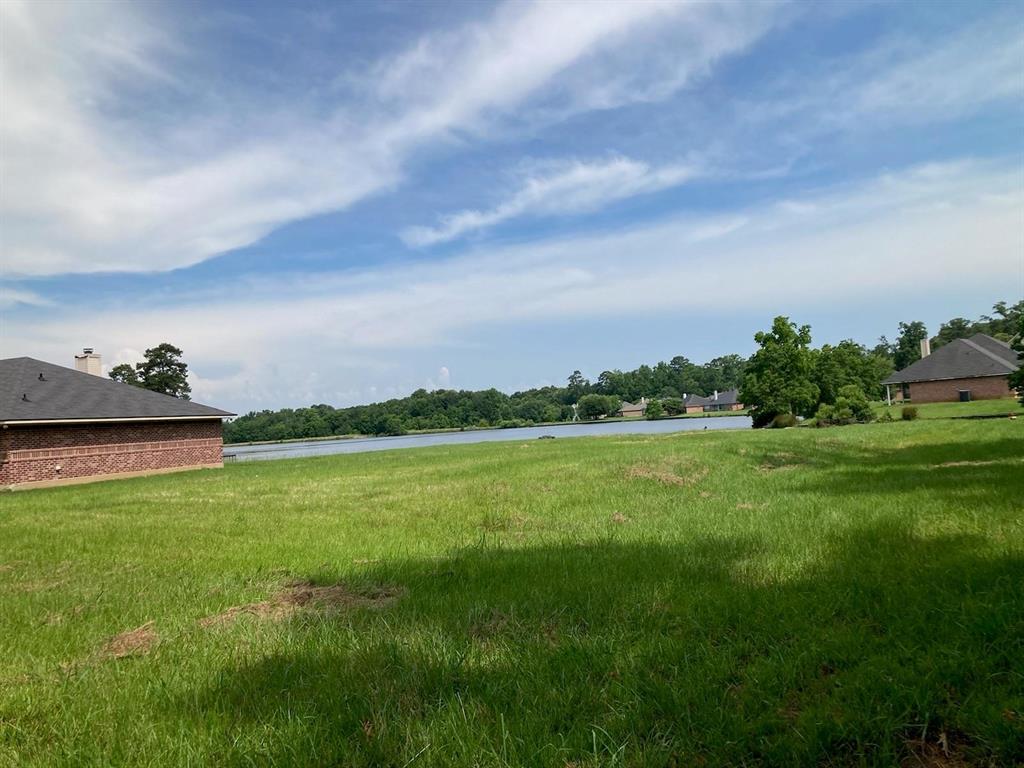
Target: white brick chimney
point(926, 348)
point(89, 362)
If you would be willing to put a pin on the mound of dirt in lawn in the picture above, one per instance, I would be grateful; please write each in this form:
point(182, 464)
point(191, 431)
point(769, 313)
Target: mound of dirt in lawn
point(304, 595)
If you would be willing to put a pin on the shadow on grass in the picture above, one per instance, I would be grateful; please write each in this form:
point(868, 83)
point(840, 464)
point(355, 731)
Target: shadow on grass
point(649, 654)
point(989, 469)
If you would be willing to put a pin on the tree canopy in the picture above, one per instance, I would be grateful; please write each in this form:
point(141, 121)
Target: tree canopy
point(778, 378)
point(162, 370)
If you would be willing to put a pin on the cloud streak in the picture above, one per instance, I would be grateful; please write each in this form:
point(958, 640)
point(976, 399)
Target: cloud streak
point(87, 189)
point(569, 188)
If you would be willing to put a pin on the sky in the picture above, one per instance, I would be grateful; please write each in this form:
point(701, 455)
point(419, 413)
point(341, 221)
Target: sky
point(342, 203)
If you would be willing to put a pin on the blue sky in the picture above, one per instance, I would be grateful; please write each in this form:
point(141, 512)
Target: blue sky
point(325, 202)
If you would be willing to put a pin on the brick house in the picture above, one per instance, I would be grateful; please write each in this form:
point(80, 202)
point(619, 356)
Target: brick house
point(729, 400)
point(977, 368)
point(634, 410)
point(59, 425)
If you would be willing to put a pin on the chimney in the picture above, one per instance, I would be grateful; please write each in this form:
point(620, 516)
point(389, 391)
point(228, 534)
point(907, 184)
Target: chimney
point(716, 395)
point(926, 348)
point(89, 362)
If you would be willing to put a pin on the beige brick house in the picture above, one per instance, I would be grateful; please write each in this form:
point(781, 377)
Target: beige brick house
point(59, 425)
point(977, 368)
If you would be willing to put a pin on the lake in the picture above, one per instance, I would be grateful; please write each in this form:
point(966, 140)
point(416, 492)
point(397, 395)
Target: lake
point(293, 450)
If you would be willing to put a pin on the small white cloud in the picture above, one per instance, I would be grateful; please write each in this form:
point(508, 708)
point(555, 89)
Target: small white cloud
point(12, 297)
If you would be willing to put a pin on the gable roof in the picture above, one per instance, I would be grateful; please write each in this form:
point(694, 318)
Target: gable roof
point(980, 355)
point(31, 390)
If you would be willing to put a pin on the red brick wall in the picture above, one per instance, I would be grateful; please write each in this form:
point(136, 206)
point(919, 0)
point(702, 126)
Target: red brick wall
point(982, 388)
point(33, 453)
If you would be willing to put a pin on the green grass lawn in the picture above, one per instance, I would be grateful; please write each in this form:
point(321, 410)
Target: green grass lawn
point(844, 597)
point(955, 410)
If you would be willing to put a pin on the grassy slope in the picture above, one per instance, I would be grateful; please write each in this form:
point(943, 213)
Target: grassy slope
point(805, 597)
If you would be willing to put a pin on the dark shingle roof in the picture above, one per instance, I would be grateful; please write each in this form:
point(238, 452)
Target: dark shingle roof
point(726, 397)
point(980, 355)
point(66, 394)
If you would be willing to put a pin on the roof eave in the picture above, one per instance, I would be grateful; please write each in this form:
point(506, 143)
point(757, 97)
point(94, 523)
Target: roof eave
point(944, 378)
point(115, 420)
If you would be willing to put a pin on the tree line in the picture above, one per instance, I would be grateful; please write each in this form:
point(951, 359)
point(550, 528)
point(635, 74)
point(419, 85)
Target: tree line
point(460, 409)
point(786, 376)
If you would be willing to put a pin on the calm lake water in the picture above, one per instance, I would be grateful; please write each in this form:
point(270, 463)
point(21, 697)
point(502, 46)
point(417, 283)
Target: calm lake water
point(363, 444)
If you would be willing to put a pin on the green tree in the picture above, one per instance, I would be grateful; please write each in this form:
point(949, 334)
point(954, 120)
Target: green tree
point(951, 330)
point(596, 406)
point(1005, 322)
point(654, 410)
point(578, 387)
point(778, 377)
point(125, 374)
point(849, 363)
point(907, 349)
point(1017, 378)
point(673, 406)
point(164, 371)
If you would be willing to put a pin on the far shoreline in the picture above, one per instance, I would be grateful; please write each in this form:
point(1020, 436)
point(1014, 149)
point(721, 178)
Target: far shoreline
point(449, 430)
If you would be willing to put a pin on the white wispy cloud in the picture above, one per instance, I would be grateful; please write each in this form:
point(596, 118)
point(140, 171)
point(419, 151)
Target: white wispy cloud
point(87, 188)
point(902, 80)
point(568, 187)
point(834, 246)
point(12, 297)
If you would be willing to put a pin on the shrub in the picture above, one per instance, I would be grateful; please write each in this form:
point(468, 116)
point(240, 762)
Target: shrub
point(654, 410)
point(909, 413)
point(673, 406)
point(851, 407)
point(886, 416)
point(784, 420)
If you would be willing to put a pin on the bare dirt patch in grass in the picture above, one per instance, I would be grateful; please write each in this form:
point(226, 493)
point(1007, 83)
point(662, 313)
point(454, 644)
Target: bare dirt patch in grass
point(941, 753)
point(666, 474)
point(780, 462)
point(985, 463)
point(494, 624)
point(304, 595)
point(134, 642)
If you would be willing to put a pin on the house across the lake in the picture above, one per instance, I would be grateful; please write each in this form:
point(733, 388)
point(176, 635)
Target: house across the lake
point(634, 409)
point(717, 401)
point(60, 425)
point(977, 368)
